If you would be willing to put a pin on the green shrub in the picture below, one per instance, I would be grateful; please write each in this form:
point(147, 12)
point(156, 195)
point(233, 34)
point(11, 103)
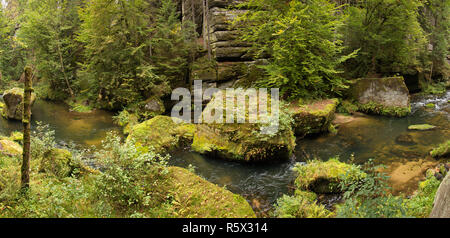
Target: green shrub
point(130, 180)
point(299, 206)
point(442, 150)
point(421, 203)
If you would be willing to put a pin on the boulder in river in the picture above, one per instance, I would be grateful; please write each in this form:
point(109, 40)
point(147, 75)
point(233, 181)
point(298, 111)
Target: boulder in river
point(382, 96)
point(161, 134)
point(441, 208)
point(14, 103)
point(313, 118)
point(421, 127)
point(246, 142)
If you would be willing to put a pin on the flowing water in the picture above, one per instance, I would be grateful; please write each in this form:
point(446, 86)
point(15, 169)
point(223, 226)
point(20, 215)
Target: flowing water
point(361, 138)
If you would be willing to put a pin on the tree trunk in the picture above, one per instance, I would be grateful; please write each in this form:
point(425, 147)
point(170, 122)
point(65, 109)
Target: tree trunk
point(63, 70)
point(26, 120)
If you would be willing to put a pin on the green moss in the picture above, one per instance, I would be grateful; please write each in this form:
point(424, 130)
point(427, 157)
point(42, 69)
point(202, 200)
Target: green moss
point(57, 162)
point(195, 197)
point(324, 177)
point(379, 109)
point(80, 105)
point(126, 120)
point(16, 136)
point(443, 150)
point(421, 203)
point(161, 134)
point(421, 127)
point(347, 107)
point(242, 142)
point(245, 141)
point(430, 105)
point(10, 148)
point(314, 117)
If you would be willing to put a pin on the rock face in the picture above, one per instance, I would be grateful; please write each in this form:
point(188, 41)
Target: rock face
point(313, 118)
point(14, 103)
point(383, 96)
point(441, 207)
point(232, 60)
point(325, 177)
point(161, 134)
point(243, 141)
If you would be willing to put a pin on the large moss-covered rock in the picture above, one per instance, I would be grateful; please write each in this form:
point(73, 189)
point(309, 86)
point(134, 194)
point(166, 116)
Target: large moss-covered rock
point(382, 96)
point(57, 162)
point(243, 141)
point(313, 118)
point(197, 198)
point(325, 177)
point(441, 208)
point(10, 148)
point(161, 134)
point(14, 103)
point(443, 150)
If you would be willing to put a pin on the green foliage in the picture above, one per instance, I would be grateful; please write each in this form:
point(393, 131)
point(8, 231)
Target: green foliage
point(11, 51)
point(48, 30)
point(388, 34)
point(325, 177)
point(379, 109)
point(442, 150)
point(300, 207)
point(131, 180)
point(434, 19)
point(304, 43)
point(421, 204)
point(434, 88)
point(369, 197)
point(140, 53)
point(347, 107)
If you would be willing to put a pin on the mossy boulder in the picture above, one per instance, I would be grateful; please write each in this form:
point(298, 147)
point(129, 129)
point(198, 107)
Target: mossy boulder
point(421, 127)
point(246, 142)
point(57, 162)
point(197, 198)
point(13, 108)
point(313, 118)
point(161, 134)
point(325, 177)
point(443, 150)
point(441, 208)
point(302, 205)
point(16, 136)
point(10, 148)
point(382, 96)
